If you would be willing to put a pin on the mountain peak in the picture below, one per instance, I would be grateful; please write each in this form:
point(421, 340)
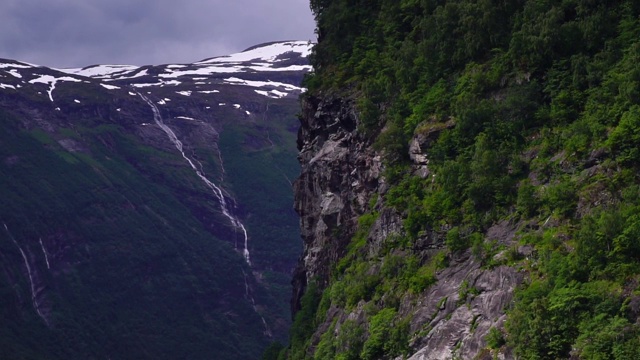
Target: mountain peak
point(274, 68)
point(266, 52)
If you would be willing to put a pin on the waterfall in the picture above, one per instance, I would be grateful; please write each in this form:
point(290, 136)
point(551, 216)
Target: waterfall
point(34, 291)
point(46, 257)
point(247, 291)
point(217, 191)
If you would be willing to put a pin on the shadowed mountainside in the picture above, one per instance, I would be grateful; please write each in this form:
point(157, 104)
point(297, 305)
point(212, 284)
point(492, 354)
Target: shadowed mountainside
point(146, 211)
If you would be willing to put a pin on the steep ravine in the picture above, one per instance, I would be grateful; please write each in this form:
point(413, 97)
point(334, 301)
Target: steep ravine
point(342, 180)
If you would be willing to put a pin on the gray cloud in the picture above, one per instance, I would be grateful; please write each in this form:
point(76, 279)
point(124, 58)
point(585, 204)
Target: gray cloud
point(71, 33)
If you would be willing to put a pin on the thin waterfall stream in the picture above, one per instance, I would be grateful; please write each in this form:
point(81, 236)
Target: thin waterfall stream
point(217, 191)
point(34, 291)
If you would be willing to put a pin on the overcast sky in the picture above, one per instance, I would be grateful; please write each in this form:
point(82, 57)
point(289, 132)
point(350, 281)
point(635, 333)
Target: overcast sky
point(74, 33)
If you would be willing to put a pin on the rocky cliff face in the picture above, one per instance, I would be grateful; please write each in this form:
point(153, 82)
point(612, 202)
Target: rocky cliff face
point(340, 174)
point(341, 180)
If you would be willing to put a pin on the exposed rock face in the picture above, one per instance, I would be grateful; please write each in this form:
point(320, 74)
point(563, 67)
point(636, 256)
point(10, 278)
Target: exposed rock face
point(341, 180)
point(456, 326)
point(340, 174)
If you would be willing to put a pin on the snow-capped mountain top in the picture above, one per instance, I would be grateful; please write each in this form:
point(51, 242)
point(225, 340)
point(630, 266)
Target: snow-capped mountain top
point(6, 63)
point(15, 75)
point(272, 69)
point(271, 53)
point(101, 71)
point(279, 56)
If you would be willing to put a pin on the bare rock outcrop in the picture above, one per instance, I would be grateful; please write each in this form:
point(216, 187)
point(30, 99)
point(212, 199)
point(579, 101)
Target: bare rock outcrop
point(340, 172)
point(342, 179)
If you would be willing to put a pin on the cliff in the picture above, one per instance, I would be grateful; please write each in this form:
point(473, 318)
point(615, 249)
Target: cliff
point(340, 173)
point(468, 184)
point(342, 180)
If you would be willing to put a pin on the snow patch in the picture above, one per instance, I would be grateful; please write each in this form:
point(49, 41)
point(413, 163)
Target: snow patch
point(205, 70)
point(15, 73)
point(268, 53)
point(110, 87)
point(208, 91)
point(48, 79)
point(51, 80)
point(101, 71)
point(280, 93)
point(185, 93)
point(76, 101)
point(7, 86)
point(146, 85)
point(160, 83)
point(252, 83)
point(185, 118)
point(17, 66)
point(274, 94)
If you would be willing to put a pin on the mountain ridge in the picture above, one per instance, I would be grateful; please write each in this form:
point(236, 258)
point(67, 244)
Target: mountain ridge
point(127, 196)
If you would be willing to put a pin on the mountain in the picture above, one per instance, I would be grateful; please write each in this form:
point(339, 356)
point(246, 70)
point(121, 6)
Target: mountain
point(146, 211)
point(469, 185)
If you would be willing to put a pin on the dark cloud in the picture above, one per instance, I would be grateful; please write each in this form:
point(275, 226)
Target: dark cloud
point(71, 33)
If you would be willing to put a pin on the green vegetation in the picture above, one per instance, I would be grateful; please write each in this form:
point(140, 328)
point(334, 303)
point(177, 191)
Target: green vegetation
point(259, 173)
point(305, 322)
point(495, 339)
point(386, 335)
point(534, 108)
point(126, 254)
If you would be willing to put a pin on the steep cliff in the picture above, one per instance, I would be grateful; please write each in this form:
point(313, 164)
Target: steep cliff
point(468, 185)
point(340, 174)
point(341, 183)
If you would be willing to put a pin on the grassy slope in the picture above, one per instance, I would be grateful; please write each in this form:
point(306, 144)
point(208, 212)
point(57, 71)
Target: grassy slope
point(259, 174)
point(127, 256)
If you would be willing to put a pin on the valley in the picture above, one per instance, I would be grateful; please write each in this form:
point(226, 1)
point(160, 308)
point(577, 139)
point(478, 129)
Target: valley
point(147, 211)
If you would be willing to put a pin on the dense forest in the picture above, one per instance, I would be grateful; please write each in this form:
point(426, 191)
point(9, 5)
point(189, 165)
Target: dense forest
point(534, 111)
